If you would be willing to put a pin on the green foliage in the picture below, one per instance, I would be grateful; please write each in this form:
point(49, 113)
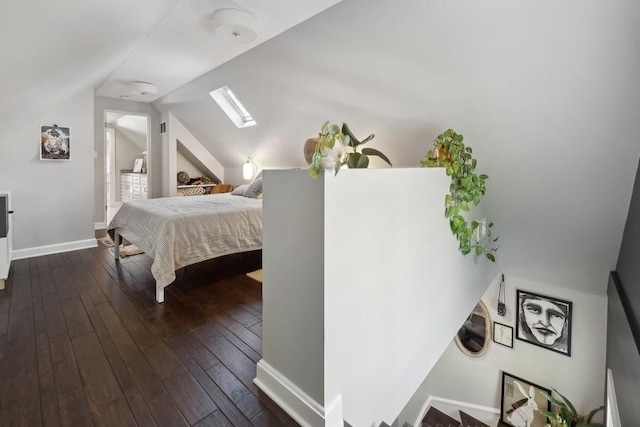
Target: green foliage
point(555, 420)
point(327, 138)
point(566, 413)
point(466, 188)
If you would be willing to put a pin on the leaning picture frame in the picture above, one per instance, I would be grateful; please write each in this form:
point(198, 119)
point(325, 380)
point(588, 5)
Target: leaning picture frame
point(522, 402)
point(544, 321)
point(137, 165)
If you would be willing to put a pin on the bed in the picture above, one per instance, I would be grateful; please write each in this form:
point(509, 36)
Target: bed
point(180, 231)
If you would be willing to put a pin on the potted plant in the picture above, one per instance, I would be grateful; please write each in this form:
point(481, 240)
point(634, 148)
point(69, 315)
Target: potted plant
point(339, 146)
point(565, 414)
point(466, 188)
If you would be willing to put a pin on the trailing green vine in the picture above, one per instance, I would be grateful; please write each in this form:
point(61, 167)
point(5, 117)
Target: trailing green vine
point(466, 188)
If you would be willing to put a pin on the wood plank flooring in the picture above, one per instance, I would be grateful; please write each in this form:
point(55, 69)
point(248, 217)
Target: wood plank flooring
point(83, 343)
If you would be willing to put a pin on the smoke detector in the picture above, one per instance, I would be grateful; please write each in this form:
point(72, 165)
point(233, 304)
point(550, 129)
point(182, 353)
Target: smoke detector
point(143, 88)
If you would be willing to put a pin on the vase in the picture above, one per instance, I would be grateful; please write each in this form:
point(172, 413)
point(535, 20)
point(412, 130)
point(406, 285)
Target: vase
point(327, 162)
point(309, 149)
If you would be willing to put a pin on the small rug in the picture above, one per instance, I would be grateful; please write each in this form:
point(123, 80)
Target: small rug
point(256, 275)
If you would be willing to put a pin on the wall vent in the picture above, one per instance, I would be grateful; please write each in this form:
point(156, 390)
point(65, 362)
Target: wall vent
point(163, 128)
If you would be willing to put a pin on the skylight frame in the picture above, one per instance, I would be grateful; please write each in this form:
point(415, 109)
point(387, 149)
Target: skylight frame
point(233, 108)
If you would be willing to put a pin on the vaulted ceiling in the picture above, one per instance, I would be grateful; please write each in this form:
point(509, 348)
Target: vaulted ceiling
point(52, 50)
point(546, 92)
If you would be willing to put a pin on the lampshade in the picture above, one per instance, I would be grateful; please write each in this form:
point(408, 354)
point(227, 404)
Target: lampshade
point(247, 169)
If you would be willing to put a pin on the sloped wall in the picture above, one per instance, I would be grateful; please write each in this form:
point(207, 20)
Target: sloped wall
point(179, 135)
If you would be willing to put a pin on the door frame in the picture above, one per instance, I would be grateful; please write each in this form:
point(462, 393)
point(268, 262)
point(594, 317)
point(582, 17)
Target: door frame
point(148, 156)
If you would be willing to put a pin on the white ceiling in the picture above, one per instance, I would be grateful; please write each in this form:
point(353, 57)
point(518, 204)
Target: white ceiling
point(51, 50)
point(547, 93)
point(182, 46)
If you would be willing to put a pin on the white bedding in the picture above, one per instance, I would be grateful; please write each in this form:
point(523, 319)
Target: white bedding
point(180, 231)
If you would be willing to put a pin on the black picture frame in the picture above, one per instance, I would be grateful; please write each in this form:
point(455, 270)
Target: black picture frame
point(502, 334)
point(522, 401)
point(544, 321)
point(55, 143)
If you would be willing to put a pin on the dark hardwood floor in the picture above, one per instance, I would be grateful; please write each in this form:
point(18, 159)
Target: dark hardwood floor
point(83, 342)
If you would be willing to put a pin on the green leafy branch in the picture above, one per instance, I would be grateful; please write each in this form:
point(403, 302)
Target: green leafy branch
point(565, 414)
point(466, 188)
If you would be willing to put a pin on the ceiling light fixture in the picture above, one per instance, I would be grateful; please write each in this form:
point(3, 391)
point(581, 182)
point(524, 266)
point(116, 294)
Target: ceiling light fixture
point(234, 25)
point(143, 88)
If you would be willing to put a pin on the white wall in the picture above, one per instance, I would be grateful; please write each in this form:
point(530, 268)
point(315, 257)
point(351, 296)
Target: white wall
point(178, 134)
point(233, 175)
point(370, 256)
point(293, 279)
point(184, 164)
point(52, 200)
point(396, 287)
point(155, 171)
point(477, 381)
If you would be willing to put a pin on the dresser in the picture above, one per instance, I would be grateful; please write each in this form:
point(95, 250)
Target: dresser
point(5, 236)
point(133, 186)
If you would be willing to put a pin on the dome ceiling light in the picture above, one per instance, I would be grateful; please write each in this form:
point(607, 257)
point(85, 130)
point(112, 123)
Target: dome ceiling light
point(143, 88)
point(234, 25)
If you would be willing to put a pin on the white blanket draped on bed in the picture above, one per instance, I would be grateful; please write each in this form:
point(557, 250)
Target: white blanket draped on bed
point(180, 231)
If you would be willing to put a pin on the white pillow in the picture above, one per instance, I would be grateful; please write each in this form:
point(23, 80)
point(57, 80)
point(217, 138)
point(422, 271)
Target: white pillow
point(240, 190)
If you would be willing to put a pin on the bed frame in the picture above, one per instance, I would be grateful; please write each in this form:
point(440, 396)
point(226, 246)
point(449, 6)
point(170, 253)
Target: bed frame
point(117, 235)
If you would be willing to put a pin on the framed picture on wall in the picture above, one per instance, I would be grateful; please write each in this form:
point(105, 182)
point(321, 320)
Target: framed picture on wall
point(522, 402)
point(503, 334)
point(54, 143)
point(544, 321)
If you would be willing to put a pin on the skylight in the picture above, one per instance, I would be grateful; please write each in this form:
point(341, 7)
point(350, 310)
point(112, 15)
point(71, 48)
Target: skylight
point(232, 106)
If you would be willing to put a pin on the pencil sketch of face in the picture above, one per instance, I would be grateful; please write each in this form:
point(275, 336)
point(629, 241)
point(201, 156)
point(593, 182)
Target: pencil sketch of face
point(544, 318)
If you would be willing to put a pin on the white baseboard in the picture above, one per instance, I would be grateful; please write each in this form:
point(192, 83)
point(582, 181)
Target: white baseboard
point(53, 249)
point(295, 402)
point(100, 225)
point(461, 405)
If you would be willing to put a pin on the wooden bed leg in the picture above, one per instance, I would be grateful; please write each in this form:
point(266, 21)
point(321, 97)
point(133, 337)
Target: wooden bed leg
point(159, 293)
point(116, 238)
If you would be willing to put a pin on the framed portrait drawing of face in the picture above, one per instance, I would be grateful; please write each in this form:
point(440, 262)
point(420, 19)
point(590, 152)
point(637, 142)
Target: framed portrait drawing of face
point(522, 402)
point(544, 321)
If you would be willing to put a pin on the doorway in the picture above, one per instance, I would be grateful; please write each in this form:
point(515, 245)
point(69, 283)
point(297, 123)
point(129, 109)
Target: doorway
point(126, 159)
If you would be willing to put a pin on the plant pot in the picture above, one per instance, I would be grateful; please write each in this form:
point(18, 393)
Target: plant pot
point(326, 162)
point(309, 149)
